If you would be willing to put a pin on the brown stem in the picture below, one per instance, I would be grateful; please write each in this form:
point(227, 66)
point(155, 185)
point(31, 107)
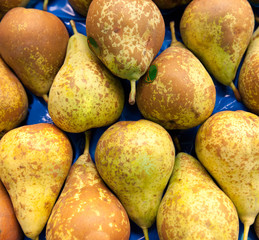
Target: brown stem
point(87, 141)
point(236, 92)
point(73, 25)
point(132, 94)
point(174, 42)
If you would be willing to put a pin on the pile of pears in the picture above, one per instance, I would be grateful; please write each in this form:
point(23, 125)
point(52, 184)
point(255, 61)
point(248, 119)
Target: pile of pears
point(123, 120)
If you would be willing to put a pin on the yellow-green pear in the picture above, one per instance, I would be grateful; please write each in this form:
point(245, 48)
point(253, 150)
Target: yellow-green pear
point(6, 5)
point(218, 33)
point(84, 93)
point(126, 35)
point(227, 144)
point(168, 4)
point(86, 208)
point(177, 91)
point(34, 162)
point(33, 43)
point(248, 81)
point(13, 100)
point(194, 207)
point(136, 159)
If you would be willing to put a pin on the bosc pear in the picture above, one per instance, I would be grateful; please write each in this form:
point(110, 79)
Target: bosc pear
point(125, 35)
point(194, 207)
point(84, 93)
point(136, 159)
point(34, 162)
point(227, 144)
point(86, 208)
point(218, 33)
point(33, 43)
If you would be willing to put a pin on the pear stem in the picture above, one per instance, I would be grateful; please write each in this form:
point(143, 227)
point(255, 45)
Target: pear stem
point(73, 25)
point(132, 94)
point(246, 230)
point(174, 40)
point(145, 231)
point(45, 97)
point(236, 92)
point(45, 5)
point(87, 141)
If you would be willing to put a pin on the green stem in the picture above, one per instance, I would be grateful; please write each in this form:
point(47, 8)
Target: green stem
point(87, 141)
point(132, 95)
point(45, 5)
point(73, 25)
point(145, 231)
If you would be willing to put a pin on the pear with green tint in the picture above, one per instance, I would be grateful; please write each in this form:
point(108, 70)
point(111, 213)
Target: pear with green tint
point(136, 159)
point(84, 93)
point(218, 33)
point(194, 207)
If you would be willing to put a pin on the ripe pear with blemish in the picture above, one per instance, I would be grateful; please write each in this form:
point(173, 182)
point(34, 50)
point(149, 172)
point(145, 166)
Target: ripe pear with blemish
point(13, 100)
point(126, 35)
point(34, 162)
point(177, 91)
point(218, 33)
point(248, 81)
point(84, 93)
point(33, 43)
point(194, 207)
point(227, 144)
point(86, 208)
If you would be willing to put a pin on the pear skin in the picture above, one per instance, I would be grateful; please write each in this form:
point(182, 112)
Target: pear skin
point(126, 35)
point(227, 144)
point(256, 226)
point(84, 93)
point(218, 33)
point(136, 159)
point(194, 207)
point(168, 4)
point(13, 100)
point(33, 43)
point(177, 91)
point(86, 208)
point(34, 162)
point(6, 5)
point(81, 6)
point(248, 81)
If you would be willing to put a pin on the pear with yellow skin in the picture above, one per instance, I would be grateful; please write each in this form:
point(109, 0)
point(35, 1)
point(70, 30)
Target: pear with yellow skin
point(136, 159)
point(177, 92)
point(6, 5)
point(218, 33)
point(248, 81)
point(34, 162)
point(126, 35)
point(227, 144)
point(33, 43)
point(86, 208)
point(84, 93)
point(13, 100)
point(194, 207)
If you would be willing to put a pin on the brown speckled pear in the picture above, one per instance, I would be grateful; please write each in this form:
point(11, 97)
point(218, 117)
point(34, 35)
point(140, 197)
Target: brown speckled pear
point(84, 93)
point(168, 4)
point(136, 159)
point(33, 43)
point(227, 144)
point(256, 225)
point(34, 162)
point(194, 207)
point(248, 81)
point(9, 226)
point(6, 5)
point(126, 35)
point(177, 91)
point(218, 33)
point(86, 208)
point(81, 6)
point(13, 100)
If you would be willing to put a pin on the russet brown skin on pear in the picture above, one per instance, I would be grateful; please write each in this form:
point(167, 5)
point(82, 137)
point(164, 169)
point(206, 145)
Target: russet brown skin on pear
point(13, 100)
point(6, 5)
point(168, 4)
point(33, 43)
point(81, 6)
point(86, 208)
point(256, 226)
point(9, 226)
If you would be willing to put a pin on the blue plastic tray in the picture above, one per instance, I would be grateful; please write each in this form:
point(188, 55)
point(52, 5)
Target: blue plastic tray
point(38, 112)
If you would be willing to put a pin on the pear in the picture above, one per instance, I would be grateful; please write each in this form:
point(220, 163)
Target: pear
point(84, 93)
point(9, 226)
point(86, 208)
point(81, 6)
point(13, 100)
point(256, 226)
point(136, 159)
point(177, 91)
point(6, 5)
point(126, 35)
point(34, 162)
point(194, 207)
point(33, 43)
point(218, 33)
point(248, 81)
point(227, 144)
point(168, 4)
